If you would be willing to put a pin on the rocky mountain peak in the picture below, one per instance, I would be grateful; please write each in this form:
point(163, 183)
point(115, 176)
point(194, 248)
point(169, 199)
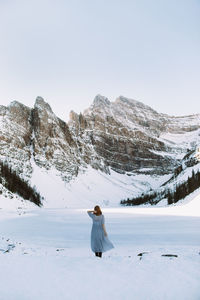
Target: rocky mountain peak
point(3, 110)
point(16, 103)
point(124, 136)
point(101, 100)
point(73, 116)
point(123, 99)
point(42, 105)
point(17, 107)
point(134, 104)
point(19, 113)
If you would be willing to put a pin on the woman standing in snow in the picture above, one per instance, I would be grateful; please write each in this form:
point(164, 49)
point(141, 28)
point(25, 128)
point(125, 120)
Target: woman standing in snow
point(99, 238)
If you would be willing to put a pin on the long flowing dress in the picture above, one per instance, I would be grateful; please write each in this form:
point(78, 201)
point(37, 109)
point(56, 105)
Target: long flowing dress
point(99, 242)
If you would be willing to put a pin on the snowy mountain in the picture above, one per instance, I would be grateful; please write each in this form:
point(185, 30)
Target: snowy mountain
point(113, 150)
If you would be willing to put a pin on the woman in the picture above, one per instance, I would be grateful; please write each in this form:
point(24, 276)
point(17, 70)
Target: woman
point(99, 238)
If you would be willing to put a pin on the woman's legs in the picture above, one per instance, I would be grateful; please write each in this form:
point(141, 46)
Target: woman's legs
point(99, 254)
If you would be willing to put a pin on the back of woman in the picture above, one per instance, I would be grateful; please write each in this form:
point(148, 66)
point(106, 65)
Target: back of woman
point(99, 238)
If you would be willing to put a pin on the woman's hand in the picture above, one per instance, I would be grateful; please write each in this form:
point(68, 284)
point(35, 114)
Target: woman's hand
point(104, 230)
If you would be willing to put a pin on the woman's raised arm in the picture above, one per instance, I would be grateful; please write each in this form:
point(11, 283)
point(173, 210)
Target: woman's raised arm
point(91, 213)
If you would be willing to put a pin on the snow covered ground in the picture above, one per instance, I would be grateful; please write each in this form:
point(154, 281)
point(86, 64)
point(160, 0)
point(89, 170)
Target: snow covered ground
point(45, 254)
point(90, 185)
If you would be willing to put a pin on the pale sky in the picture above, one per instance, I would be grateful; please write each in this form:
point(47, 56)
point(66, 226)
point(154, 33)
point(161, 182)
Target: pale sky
point(68, 51)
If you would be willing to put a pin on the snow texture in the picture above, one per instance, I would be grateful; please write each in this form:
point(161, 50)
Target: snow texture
point(91, 185)
point(45, 254)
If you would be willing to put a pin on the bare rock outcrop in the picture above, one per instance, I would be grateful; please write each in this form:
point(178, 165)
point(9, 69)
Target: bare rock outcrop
point(125, 135)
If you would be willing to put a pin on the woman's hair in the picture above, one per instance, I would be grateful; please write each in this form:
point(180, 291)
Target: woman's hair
point(98, 211)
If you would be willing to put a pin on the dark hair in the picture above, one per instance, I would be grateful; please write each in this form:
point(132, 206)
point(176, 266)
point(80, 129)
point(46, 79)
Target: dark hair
point(98, 211)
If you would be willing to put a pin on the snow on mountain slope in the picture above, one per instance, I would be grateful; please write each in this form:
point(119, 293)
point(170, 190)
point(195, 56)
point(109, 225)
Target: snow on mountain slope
point(91, 186)
point(112, 151)
point(184, 139)
point(15, 204)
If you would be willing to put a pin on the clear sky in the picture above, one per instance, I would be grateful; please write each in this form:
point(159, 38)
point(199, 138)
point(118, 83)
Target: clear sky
point(67, 51)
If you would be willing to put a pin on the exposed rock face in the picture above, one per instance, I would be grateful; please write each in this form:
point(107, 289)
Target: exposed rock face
point(15, 136)
point(124, 135)
point(53, 145)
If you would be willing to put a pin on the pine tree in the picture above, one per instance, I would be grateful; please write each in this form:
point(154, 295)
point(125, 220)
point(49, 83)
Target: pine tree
point(15, 184)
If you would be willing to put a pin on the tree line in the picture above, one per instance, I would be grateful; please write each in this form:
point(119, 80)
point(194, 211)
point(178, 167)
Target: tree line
point(15, 184)
point(180, 191)
point(183, 189)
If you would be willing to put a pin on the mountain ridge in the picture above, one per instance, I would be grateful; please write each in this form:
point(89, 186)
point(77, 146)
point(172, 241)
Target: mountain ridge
point(125, 136)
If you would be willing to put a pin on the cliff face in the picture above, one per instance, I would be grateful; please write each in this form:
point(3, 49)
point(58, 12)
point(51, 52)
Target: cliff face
point(15, 137)
point(125, 136)
point(52, 142)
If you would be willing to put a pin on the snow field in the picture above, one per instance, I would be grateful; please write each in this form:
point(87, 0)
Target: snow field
point(51, 258)
point(90, 185)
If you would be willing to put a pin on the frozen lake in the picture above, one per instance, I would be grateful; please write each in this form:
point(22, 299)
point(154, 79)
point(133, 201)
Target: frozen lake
point(50, 257)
